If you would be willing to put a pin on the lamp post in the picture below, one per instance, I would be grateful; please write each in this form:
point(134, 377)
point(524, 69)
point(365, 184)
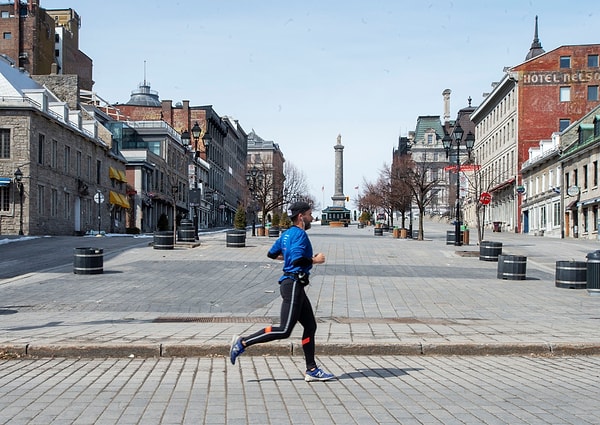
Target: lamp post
point(450, 143)
point(20, 188)
point(207, 140)
point(254, 179)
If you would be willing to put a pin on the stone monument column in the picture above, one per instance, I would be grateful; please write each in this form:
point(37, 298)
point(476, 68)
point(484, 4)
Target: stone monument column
point(338, 198)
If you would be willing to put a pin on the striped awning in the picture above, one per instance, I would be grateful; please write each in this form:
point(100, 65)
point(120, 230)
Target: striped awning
point(118, 199)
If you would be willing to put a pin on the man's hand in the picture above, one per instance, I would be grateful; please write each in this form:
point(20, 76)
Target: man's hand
point(319, 258)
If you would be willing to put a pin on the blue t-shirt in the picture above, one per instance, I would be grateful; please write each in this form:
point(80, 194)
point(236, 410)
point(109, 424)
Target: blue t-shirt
point(293, 244)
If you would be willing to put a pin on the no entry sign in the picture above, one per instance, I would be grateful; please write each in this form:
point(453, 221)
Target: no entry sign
point(485, 198)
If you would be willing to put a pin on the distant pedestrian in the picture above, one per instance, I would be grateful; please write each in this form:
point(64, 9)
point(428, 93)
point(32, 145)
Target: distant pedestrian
point(295, 249)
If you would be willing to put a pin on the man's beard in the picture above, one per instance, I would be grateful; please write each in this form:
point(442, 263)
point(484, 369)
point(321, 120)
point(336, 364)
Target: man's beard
point(307, 225)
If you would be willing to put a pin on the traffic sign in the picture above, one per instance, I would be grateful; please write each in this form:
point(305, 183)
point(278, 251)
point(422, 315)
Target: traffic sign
point(485, 198)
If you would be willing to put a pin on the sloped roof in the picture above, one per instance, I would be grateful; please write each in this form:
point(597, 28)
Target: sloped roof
point(427, 122)
point(13, 81)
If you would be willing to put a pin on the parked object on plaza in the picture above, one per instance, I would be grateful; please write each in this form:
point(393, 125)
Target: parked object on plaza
point(489, 251)
point(593, 273)
point(236, 238)
point(512, 267)
point(451, 237)
point(378, 231)
point(571, 274)
point(164, 239)
point(88, 261)
point(186, 231)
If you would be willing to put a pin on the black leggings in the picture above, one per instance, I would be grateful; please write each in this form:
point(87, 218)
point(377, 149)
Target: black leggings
point(295, 307)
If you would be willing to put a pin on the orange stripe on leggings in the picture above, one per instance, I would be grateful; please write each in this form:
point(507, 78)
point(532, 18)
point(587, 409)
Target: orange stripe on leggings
point(268, 329)
point(305, 341)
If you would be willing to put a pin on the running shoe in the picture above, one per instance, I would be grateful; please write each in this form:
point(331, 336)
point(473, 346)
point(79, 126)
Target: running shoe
point(236, 348)
point(318, 374)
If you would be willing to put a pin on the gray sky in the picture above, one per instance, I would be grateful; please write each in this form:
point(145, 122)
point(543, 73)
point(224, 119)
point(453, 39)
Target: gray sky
point(301, 72)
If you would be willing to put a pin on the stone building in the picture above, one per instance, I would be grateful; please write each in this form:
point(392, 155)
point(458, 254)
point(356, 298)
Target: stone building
point(65, 158)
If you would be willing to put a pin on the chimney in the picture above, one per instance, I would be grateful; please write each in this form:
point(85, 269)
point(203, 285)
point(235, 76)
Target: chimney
point(446, 94)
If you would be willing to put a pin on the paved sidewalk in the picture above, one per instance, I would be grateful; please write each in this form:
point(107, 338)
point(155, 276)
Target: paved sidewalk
point(374, 295)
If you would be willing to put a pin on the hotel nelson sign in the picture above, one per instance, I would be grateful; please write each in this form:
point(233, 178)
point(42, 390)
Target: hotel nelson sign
point(561, 77)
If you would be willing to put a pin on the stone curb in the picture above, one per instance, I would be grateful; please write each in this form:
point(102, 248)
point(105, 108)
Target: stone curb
point(360, 349)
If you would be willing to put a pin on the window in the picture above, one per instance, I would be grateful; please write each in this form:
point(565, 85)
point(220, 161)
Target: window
point(565, 94)
point(430, 139)
point(4, 143)
point(556, 214)
point(67, 208)
point(595, 173)
point(41, 201)
point(595, 218)
point(585, 176)
point(563, 124)
point(67, 159)
point(543, 217)
point(4, 201)
point(586, 222)
point(98, 171)
point(6, 35)
point(5, 14)
point(41, 140)
point(593, 61)
point(56, 53)
point(565, 62)
point(78, 164)
point(54, 154)
point(53, 202)
point(592, 93)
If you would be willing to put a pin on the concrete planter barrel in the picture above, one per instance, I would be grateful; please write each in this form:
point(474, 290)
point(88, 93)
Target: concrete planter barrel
point(186, 231)
point(88, 261)
point(273, 232)
point(571, 274)
point(489, 251)
point(593, 273)
point(512, 267)
point(236, 238)
point(378, 231)
point(164, 239)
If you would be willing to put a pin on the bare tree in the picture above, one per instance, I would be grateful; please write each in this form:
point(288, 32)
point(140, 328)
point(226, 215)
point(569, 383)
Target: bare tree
point(422, 182)
point(273, 191)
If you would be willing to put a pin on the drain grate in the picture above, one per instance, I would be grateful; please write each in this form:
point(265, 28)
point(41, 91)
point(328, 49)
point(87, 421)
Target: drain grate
point(213, 319)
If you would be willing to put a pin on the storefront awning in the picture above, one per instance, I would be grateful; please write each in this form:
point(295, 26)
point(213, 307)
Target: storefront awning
point(118, 199)
point(5, 181)
point(118, 175)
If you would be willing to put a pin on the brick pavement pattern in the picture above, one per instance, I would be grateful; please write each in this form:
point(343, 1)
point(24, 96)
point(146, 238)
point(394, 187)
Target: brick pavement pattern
point(403, 323)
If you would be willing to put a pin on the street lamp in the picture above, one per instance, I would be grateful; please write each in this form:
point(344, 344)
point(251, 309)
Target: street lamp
point(254, 179)
point(20, 188)
point(454, 143)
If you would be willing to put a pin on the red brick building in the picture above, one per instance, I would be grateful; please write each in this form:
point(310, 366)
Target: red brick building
point(44, 41)
point(534, 99)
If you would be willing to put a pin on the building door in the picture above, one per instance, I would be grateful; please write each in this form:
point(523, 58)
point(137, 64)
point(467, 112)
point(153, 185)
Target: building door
point(526, 221)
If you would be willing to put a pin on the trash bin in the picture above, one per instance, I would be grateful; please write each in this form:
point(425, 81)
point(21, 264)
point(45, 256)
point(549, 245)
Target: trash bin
point(186, 231)
point(451, 238)
point(88, 261)
point(571, 274)
point(378, 231)
point(236, 238)
point(512, 267)
point(465, 237)
point(489, 251)
point(593, 273)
